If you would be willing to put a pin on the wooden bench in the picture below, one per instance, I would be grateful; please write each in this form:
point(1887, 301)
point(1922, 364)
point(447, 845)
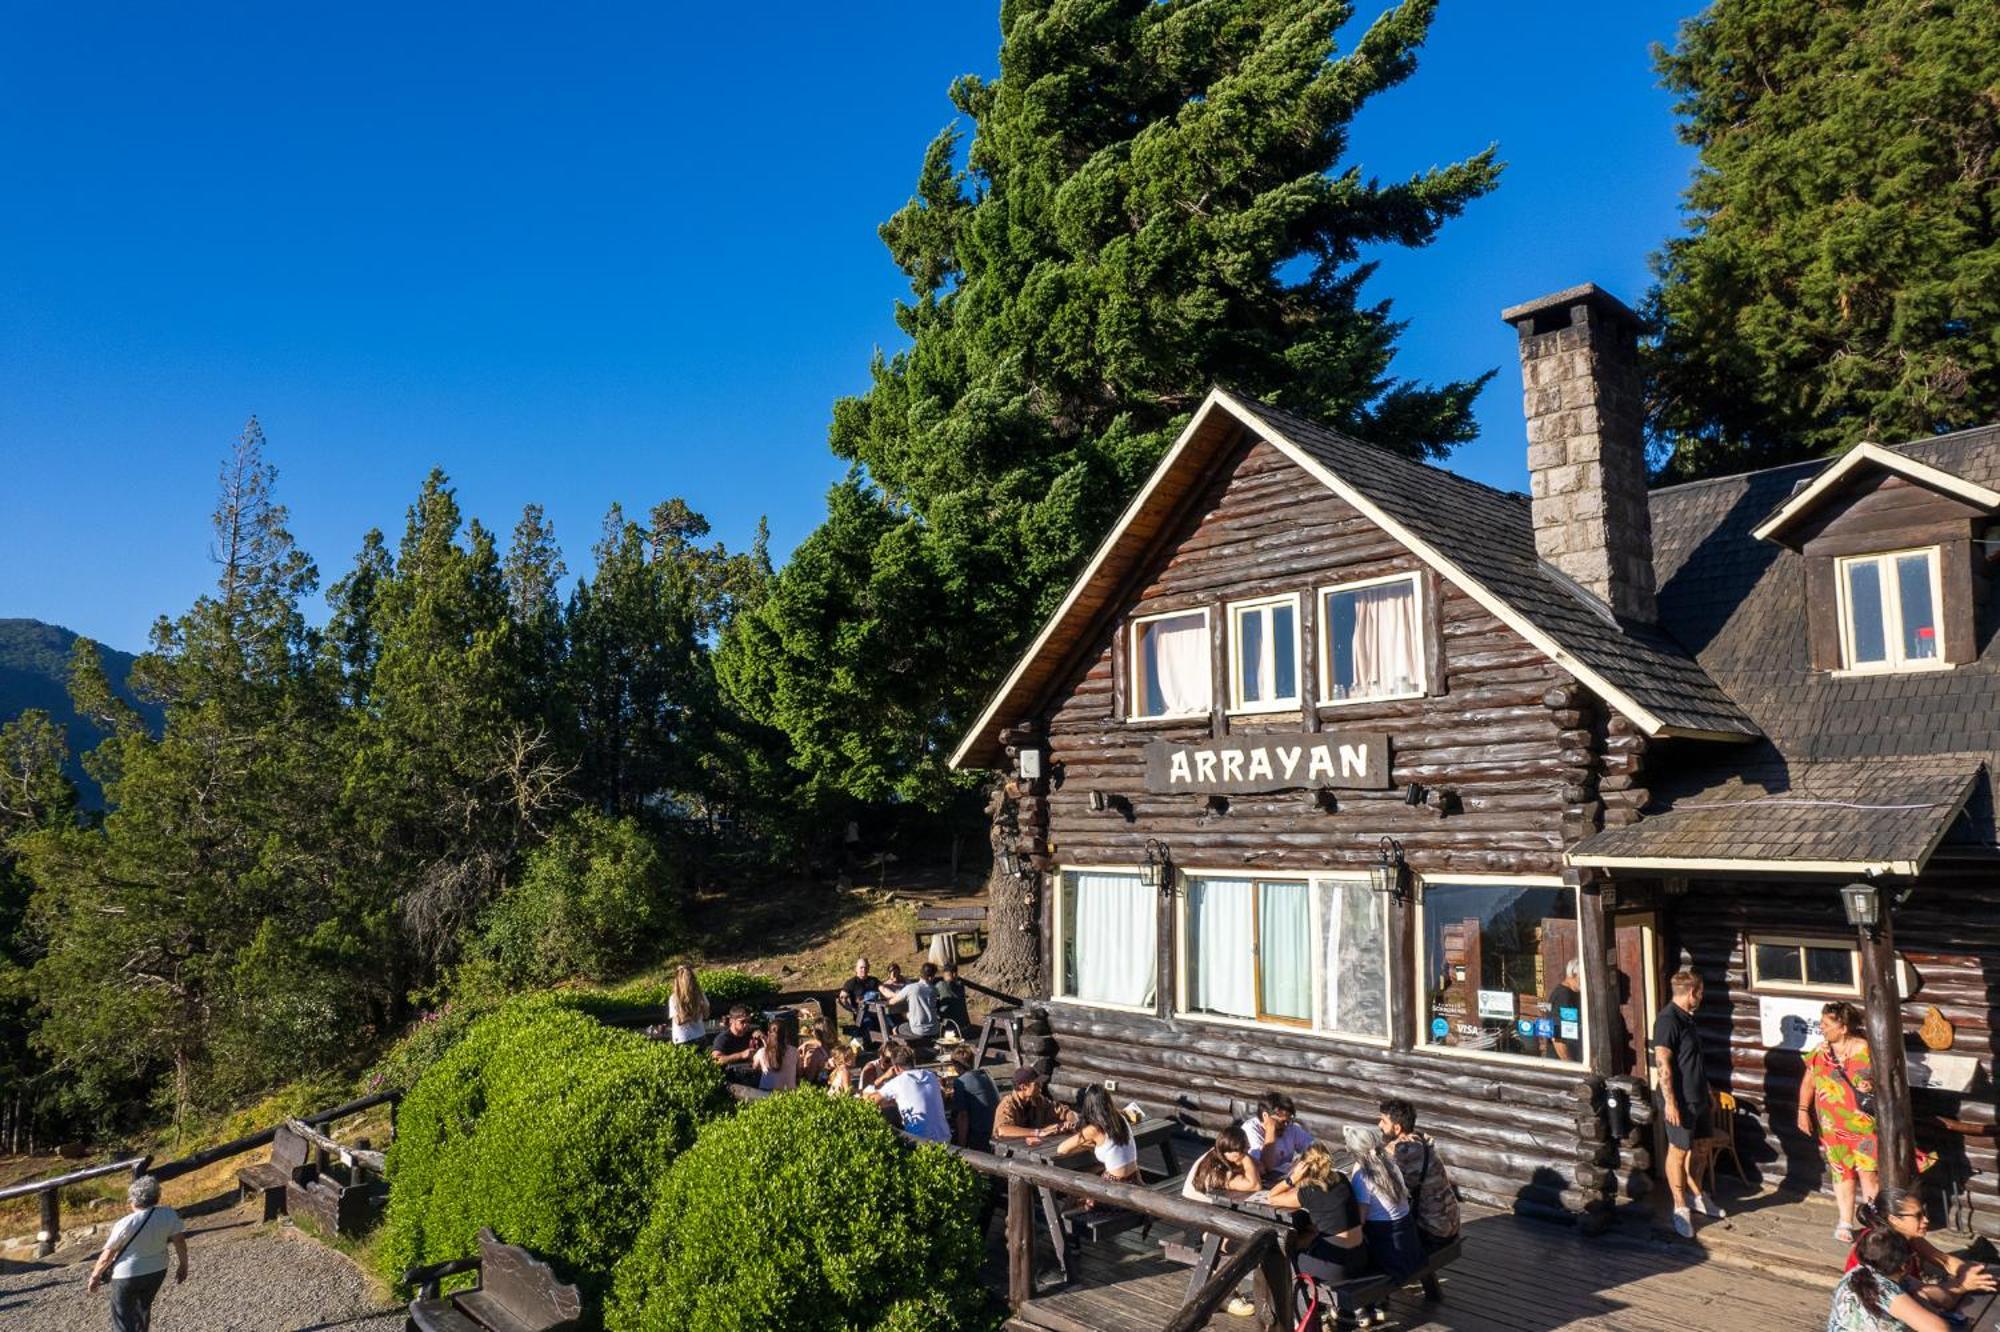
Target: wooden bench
point(290, 1163)
point(933, 921)
point(1367, 1292)
point(346, 1189)
point(517, 1292)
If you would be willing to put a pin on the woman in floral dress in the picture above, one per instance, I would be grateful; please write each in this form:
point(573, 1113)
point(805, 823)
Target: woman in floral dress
point(1838, 1075)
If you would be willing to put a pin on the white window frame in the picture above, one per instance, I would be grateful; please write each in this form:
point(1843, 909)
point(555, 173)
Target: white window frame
point(1758, 985)
point(1420, 996)
point(1311, 1027)
point(1323, 628)
point(1892, 613)
point(1058, 982)
point(1234, 612)
point(1135, 664)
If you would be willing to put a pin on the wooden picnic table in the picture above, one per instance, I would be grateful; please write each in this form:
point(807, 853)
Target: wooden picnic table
point(1148, 1134)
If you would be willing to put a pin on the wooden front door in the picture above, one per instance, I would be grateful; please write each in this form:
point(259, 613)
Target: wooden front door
point(1638, 994)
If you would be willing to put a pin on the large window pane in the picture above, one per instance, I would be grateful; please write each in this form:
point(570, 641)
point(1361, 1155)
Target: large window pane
point(1372, 648)
point(1913, 600)
point(1221, 948)
point(1284, 950)
point(1497, 969)
point(1109, 946)
point(1354, 962)
point(1779, 962)
point(1171, 660)
point(1864, 613)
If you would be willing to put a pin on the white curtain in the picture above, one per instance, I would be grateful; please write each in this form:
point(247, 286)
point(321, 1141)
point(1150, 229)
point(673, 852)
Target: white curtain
point(1220, 949)
point(1176, 649)
point(1112, 940)
point(1356, 998)
point(1284, 949)
point(1385, 640)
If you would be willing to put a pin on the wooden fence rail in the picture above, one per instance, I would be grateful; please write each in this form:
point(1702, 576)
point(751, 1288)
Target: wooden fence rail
point(49, 1232)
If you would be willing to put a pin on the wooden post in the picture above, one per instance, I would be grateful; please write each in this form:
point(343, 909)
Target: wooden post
point(51, 1227)
point(1403, 979)
point(1309, 662)
point(1882, 1002)
point(1271, 1290)
point(1600, 978)
point(1218, 668)
point(1020, 1241)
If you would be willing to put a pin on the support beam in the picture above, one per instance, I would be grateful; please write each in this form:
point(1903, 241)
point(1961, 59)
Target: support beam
point(1600, 978)
point(1402, 973)
point(1882, 1002)
point(1020, 1241)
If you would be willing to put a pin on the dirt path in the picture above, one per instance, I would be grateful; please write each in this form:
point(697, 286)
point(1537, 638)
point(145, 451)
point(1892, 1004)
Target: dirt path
point(242, 1277)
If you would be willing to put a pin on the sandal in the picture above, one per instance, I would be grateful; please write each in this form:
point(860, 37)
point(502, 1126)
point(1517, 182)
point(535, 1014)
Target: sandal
point(1844, 1233)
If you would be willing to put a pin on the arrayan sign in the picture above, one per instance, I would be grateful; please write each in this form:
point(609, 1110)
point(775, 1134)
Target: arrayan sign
point(1349, 760)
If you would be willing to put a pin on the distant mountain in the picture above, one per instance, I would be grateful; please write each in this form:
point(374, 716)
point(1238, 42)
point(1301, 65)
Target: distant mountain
point(34, 673)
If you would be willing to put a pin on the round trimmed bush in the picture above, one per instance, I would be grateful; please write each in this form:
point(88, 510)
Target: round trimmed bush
point(551, 1128)
point(805, 1212)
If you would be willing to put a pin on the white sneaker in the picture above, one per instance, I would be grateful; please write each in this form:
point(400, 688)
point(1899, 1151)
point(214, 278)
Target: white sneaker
point(1240, 1307)
point(1683, 1223)
point(1708, 1206)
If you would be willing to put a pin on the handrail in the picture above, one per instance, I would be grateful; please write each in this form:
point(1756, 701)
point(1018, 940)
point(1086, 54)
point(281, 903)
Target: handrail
point(362, 1156)
point(13, 1191)
point(1010, 1000)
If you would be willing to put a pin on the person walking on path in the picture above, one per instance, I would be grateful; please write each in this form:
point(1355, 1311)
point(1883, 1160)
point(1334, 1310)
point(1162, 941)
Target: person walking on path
point(1684, 1097)
point(135, 1256)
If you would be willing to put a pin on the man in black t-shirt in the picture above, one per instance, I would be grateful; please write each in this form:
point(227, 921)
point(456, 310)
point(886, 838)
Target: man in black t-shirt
point(974, 1099)
point(1565, 1005)
point(733, 1046)
point(1684, 1097)
point(857, 990)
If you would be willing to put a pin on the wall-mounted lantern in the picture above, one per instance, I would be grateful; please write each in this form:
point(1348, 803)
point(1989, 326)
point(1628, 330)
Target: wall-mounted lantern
point(1390, 873)
point(1008, 861)
point(1863, 904)
point(1158, 871)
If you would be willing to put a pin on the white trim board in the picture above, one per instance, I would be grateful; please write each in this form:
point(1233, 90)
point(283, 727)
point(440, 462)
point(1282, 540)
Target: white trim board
point(1874, 455)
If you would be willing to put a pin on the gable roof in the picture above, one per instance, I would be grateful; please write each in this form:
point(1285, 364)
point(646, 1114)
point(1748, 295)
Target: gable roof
point(1478, 538)
point(1863, 456)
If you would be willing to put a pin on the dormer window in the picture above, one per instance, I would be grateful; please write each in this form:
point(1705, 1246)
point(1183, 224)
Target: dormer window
point(1170, 666)
point(1889, 611)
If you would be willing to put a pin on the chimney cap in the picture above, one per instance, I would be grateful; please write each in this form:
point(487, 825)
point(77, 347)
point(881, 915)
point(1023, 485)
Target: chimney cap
point(1588, 293)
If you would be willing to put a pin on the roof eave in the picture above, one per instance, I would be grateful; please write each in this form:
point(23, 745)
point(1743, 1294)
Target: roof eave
point(1872, 455)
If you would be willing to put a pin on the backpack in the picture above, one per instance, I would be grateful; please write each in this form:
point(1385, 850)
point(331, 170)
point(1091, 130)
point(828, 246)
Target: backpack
point(1434, 1196)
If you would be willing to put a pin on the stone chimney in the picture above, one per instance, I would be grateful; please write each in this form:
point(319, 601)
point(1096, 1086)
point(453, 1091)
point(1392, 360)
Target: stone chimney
point(1586, 444)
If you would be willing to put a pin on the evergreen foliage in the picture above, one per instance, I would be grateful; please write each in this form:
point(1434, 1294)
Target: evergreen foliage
point(547, 1126)
point(1154, 198)
point(589, 903)
point(808, 1212)
point(1839, 276)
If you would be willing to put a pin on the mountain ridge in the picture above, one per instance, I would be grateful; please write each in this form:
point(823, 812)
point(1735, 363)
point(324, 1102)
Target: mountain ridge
point(34, 673)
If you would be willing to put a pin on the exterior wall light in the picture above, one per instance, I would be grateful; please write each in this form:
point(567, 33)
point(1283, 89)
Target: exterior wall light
point(1390, 873)
point(1158, 871)
point(1863, 904)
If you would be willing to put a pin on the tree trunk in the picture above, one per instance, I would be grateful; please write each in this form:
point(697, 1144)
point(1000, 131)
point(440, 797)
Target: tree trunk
point(1013, 957)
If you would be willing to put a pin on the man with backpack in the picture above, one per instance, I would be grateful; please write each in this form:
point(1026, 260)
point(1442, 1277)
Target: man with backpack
point(1432, 1193)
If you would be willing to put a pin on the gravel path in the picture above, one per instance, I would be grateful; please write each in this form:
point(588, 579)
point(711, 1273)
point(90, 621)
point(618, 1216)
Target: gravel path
point(242, 1277)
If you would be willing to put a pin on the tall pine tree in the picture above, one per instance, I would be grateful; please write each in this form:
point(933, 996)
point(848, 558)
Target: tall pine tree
point(1156, 197)
point(1839, 276)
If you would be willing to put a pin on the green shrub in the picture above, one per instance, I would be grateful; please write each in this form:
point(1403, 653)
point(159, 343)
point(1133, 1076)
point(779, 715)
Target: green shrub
point(548, 1126)
point(593, 901)
point(722, 987)
point(805, 1212)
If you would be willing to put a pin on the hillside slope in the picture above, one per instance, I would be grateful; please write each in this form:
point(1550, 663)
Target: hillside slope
point(34, 668)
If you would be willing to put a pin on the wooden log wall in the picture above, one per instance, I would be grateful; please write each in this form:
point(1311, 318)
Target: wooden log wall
point(1516, 757)
point(1949, 930)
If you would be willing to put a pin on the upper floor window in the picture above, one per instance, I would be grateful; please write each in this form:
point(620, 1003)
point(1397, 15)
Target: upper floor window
point(1264, 654)
point(1889, 611)
point(1170, 666)
point(1373, 647)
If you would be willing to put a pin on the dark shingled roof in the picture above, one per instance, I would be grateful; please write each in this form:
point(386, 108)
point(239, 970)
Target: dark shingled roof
point(1883, 815)
point(1739, 604)
point(1490, 535)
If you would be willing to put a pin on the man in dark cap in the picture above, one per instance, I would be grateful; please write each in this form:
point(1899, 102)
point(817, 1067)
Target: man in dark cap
point(1027, 1114)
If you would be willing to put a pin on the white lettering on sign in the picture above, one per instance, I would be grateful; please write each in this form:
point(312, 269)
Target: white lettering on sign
point(1254, 763)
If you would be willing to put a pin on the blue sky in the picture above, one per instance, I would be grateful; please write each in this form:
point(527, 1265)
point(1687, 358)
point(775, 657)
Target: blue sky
point(578, 254)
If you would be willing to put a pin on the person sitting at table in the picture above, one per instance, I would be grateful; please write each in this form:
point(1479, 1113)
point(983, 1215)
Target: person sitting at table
point(1275, 1135)
point(1389, 1223)
point(1941, 1280)
point(915, 1093)
point(1106, 1132)
point(1226, 1168)
point(951, 998)
point(1424, 1175)
point(734, 1045)
point(1336, 1248)
point(974, 1102)
point(919, 1000)
point(815, 1053)
point(687, 1007)
point(1028, 1112)
point(894, 981)
point(776, 1061)
point(856, 992)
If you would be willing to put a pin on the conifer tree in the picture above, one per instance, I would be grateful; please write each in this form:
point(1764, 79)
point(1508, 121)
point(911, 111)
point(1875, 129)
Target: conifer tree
point(1155, 197)
point(1839, 275)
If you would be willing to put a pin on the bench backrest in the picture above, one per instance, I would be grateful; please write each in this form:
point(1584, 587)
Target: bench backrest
point(525, 1284)
point(948, 914)
point(288, 1149)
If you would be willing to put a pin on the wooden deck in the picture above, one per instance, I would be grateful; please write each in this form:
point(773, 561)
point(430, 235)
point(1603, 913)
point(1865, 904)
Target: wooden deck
point(1516, 1276)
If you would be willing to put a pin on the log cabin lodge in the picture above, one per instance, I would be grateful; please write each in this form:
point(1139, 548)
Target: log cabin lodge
point(1344, 774)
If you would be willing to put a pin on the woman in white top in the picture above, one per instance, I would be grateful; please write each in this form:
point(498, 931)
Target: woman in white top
point(777, 1059)
point(1106, 1133)
point(687, 1007)
point(135, 1256)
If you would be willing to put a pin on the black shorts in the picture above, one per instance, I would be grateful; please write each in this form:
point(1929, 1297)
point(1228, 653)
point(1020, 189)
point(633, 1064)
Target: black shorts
point(1691, 1130)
